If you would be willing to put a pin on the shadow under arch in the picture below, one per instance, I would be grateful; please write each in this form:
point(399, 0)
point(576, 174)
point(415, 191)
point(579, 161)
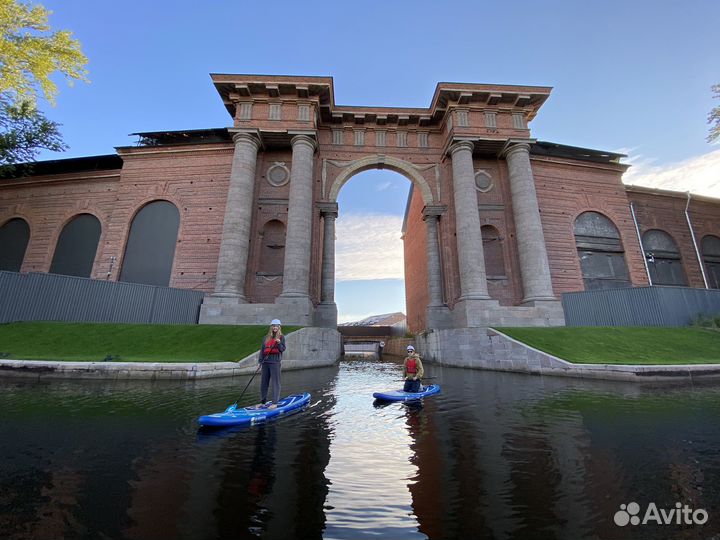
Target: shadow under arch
point(380, 161)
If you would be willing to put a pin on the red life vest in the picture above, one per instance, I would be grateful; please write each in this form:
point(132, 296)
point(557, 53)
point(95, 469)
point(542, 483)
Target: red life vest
point(271, 347)
point(411, 366)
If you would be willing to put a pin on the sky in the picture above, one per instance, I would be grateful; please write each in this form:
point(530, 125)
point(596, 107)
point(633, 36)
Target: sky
point(627, 76)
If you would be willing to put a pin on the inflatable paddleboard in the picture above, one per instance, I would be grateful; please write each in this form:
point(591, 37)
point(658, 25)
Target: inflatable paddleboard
point(399, 395)
point(248, 416)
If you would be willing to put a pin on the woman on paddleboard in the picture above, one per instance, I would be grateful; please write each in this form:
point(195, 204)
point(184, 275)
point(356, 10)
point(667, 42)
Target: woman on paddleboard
point(270, 358)
point(412, 370)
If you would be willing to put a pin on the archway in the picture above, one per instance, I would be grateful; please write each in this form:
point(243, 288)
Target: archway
point(370, 278)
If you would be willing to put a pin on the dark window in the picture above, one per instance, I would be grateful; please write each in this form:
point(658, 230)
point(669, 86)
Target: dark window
point(663, 258)
point(76, 247)
point(272, 258)
point(14, 238)
point(602, 257)
point(151, 245)
point(493, 251)
point(711, 256)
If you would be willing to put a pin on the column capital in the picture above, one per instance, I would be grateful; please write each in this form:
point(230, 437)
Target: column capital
point(461, 145)
point(433, 211)
point(246, 135)
point(303, 139)
point(516, 145)
point(328, 209)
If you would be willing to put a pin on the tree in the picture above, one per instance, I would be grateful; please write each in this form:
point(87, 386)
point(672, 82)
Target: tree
point(23, 132)
point(714, 116)
point(30, 54)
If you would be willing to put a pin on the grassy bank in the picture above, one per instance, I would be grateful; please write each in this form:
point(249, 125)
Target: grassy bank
point(623, 345)
point(129, 342)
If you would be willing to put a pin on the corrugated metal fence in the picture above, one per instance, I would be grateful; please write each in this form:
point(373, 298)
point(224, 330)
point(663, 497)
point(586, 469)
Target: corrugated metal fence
point(640, 306)
point(51, 297)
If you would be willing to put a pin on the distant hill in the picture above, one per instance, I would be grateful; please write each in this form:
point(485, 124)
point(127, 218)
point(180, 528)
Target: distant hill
point(387, 319)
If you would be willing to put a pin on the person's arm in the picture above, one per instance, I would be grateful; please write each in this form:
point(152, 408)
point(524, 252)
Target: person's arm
point(405, 373)
point(281, 345)
point(420, 369)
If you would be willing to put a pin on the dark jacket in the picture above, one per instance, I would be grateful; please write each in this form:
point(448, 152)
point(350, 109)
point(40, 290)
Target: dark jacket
point(272, 358)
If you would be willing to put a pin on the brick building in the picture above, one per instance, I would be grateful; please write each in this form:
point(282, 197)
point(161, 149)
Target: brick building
point(497, 226)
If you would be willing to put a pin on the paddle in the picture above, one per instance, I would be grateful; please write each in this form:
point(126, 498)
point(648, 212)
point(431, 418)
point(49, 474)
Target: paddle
point(234, 405)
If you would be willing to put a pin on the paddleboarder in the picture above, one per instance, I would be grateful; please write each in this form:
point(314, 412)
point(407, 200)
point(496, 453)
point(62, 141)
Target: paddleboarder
point(412, 370)
point(270, 358)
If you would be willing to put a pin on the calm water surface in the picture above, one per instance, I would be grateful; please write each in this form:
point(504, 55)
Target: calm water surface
point(495, 455)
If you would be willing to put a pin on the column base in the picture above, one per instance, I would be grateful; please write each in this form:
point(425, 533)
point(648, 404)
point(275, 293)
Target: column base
point(489, 313)
point(231, 311)
point(326, 315)
point(439, 317)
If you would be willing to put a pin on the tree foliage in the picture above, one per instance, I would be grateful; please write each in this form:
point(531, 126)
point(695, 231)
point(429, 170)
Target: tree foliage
point(23, 132)
point(30, 55)
point(714, 116)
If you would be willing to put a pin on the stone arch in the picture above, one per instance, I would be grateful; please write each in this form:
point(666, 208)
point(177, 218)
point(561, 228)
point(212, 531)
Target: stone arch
point(380, 161)
point(663, 258)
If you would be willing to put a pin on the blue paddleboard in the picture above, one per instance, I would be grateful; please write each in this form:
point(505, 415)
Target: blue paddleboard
point(247, 416)
point(399, 395)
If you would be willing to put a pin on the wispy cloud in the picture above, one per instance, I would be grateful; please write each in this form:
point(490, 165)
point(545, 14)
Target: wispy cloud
point(369, 246)
point(384, 186)
point(699, 174)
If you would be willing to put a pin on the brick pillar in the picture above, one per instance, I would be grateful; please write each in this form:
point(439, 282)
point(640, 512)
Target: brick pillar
point(473, 282)
point(296, 274)
point(534, 265)
point(232, 263)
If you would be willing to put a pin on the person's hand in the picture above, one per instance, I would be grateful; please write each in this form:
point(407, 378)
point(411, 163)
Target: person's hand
point(277, 339)
point(415, 378)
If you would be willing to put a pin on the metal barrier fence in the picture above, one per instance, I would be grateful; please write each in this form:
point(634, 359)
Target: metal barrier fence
point(50, 297)
point(640, 306)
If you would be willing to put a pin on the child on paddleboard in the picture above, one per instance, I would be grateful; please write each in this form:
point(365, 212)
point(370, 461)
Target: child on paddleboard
point(412, 370)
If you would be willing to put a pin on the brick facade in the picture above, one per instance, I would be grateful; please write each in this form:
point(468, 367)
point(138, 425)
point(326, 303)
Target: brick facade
point(485, 125)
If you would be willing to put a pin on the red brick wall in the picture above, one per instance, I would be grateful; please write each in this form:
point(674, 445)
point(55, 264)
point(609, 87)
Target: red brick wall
point(666, 212)
point(416, 270)
point(567, 189)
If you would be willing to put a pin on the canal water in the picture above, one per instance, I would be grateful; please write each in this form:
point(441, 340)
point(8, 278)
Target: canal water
point(494, 455)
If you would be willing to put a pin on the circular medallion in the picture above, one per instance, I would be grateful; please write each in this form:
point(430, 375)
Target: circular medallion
point(483, 181)
point(278, 174)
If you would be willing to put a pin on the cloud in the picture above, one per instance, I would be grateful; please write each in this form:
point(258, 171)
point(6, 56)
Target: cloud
point(384, 186)
point(349, 317)
point(699, 175)
point(368, 246)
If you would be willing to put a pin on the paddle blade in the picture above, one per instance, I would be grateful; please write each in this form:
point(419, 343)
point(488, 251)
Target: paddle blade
point(231, 408)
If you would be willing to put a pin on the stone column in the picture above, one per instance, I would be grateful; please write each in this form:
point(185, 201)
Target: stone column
point(430, 217)
point(296, 274)
point(534, 265)
point(232, 263)
point(473, 282)
point(329, 213)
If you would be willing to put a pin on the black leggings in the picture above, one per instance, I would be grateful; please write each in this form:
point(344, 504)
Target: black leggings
point(411, 386)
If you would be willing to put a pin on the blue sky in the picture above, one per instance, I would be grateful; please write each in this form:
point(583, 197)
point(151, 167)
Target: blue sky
point(632, 77)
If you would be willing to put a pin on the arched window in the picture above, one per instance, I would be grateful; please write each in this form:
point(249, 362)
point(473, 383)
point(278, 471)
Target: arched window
point(76, 247)
point(14, 238)
point(272, 256)
point(602, 257)
point(493, 251)
point(711, 256)
point(150, 247)
point(663, 258)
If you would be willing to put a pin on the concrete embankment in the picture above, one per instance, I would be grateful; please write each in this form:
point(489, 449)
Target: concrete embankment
point(486, 348)
point(306, 348)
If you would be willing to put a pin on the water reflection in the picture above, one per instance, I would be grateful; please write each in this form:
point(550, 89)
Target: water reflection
point(495, 455)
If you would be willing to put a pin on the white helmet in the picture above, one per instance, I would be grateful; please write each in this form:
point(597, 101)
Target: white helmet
point(410, 348)
point(275, 322)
